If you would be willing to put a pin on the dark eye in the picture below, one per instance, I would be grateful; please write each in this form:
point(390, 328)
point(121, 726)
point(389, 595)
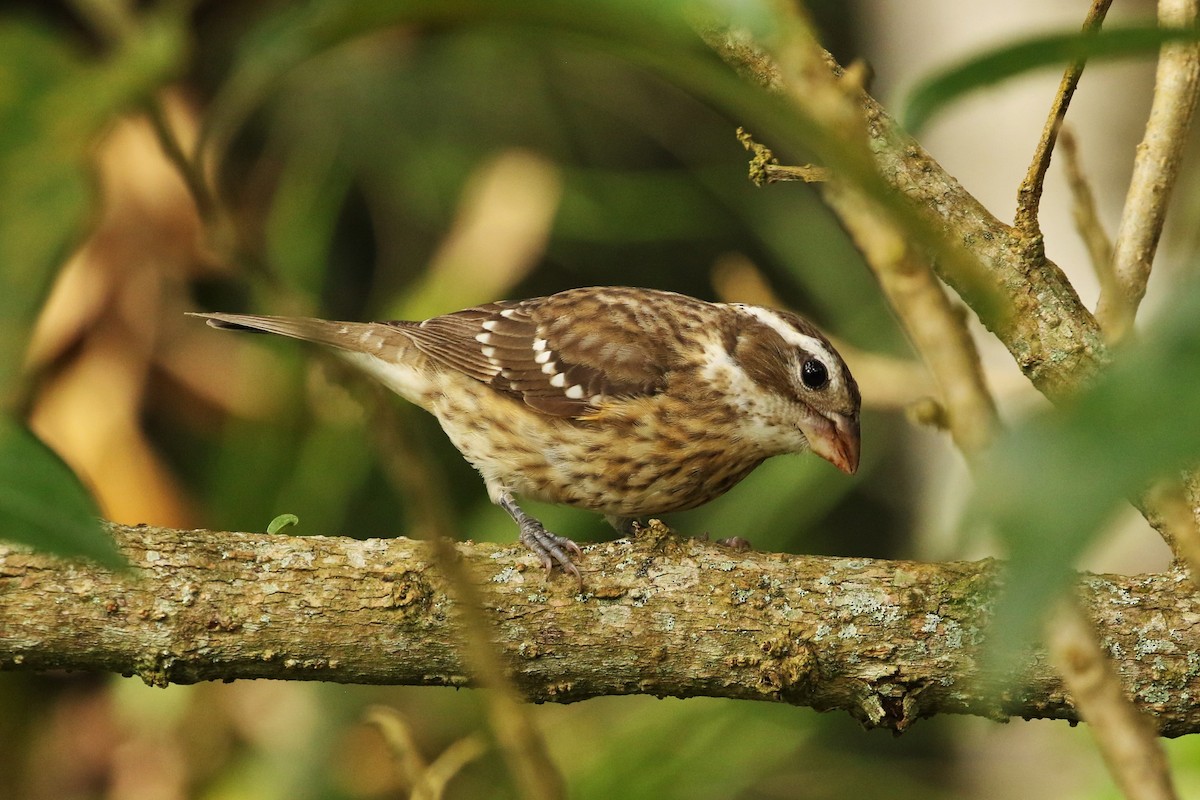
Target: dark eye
point(814, 374)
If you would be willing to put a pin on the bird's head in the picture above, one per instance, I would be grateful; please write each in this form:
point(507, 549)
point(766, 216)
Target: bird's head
point(807, 386)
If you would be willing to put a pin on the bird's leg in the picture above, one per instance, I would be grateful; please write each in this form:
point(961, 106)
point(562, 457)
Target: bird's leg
point(626, 526)
point(550, 548)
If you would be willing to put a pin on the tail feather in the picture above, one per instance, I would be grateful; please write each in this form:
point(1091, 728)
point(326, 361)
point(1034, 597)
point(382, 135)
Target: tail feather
point(381, 349)
point(351, 336)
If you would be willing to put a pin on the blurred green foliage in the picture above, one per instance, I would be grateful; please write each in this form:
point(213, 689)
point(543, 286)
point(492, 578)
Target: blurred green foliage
point(939, 90)
point(53, 104)
point(55, 101)
point(1053, 481)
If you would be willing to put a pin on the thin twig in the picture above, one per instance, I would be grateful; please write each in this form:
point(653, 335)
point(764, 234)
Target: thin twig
point(809, 173)
point(116, 23)
point(1155, 170)
point(1172, 507)
point(408, 464)
point(1029, 195)
point(937, 327)
point(185, 165)
point(1083, 209)
point(765, 168)
point(1124, 735)
point(424, 781)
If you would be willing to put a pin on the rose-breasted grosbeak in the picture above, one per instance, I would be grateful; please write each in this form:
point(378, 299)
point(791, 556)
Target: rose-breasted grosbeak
point(629, 402)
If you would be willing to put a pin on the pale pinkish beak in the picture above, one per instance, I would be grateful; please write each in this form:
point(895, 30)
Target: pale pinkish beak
point(837, 442)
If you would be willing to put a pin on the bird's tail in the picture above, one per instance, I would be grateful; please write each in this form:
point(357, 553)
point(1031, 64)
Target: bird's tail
point(362, 337)
point(382, 349)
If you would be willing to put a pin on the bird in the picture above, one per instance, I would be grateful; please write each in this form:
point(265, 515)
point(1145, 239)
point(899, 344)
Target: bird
point(624, 401)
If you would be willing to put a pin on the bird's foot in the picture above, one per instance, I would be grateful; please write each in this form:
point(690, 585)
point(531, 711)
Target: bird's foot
point(550, 548)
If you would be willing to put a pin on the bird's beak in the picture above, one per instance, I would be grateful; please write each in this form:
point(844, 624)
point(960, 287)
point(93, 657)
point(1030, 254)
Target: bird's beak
point(837, 442)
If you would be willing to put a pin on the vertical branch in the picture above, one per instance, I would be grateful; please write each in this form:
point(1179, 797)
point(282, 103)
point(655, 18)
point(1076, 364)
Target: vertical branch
point(1083, 209)
point(1029, 195)
point(406, 462)
point(1155, 170)
point(1125, 737)
point(938, 330)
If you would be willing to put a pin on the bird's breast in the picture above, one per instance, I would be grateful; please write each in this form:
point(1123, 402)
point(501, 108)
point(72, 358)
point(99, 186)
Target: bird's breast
point(650, 456)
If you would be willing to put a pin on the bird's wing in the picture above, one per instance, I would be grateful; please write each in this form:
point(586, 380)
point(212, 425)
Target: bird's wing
point(565, 354)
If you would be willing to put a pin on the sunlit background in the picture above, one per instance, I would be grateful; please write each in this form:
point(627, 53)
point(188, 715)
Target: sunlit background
point(419, 168)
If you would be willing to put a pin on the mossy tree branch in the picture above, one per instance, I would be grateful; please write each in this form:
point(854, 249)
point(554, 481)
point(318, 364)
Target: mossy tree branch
point(887, 641)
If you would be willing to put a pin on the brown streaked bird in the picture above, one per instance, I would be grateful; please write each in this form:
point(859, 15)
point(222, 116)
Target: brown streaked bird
point(627, 402)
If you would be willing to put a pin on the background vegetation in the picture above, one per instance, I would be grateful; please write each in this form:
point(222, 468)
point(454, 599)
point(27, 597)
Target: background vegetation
point(383, 160)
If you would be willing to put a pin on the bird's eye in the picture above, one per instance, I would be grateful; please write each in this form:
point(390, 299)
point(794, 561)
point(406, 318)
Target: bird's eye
point(814, 374)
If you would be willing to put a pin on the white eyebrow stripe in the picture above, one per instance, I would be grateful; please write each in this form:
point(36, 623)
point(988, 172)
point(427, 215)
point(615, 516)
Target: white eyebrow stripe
point(810, 344)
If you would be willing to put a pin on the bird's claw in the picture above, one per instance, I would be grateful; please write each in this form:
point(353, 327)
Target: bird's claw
point(550, 548)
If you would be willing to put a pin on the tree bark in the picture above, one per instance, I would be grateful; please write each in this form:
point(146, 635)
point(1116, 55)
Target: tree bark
point(888, 641)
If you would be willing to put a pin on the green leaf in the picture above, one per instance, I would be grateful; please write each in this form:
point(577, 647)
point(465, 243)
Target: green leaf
point(43, 193)
point(941, 88)
point(43, 504)
point(1051, 484)
point(281, 522)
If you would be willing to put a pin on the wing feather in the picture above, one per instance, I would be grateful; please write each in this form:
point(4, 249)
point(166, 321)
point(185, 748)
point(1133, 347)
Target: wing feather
point(567, 354)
